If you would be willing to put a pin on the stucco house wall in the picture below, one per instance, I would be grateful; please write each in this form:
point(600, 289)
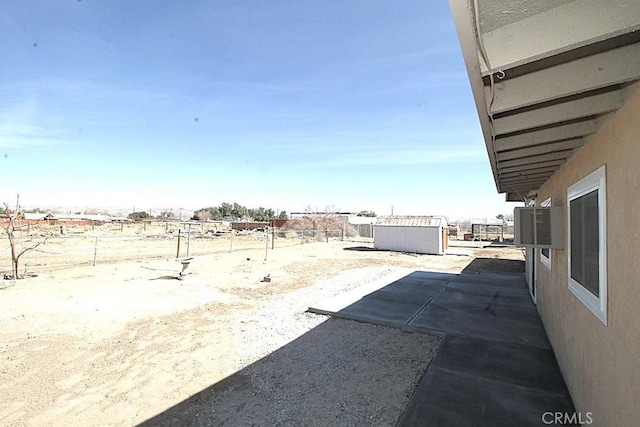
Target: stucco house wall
point(600, 363)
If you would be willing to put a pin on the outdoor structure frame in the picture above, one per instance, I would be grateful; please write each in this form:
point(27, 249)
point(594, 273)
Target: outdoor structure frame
point(481, 231)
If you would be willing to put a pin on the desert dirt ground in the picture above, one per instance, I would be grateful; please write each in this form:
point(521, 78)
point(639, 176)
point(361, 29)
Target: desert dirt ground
point(122, 341)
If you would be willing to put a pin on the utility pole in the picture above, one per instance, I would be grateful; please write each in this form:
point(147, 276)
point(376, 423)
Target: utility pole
point(391, 210)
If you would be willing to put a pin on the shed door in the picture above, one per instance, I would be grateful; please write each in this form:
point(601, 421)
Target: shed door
point(445, 238)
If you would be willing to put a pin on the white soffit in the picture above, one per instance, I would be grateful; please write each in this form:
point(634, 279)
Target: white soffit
point(569, 26)
point(558, 69)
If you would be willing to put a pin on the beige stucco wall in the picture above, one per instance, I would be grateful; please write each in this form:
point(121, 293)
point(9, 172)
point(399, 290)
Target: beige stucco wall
point(601, 364)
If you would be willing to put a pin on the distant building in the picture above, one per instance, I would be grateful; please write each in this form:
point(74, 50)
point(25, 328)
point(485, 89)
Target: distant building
point(248, 226)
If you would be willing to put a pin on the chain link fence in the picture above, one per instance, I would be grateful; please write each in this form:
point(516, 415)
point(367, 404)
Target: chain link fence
point(64, 246)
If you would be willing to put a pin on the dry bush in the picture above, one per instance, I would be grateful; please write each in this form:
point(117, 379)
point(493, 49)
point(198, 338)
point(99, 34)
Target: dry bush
point(315, 222)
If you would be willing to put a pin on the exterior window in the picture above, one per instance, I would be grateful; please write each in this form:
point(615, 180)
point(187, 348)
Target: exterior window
point(545, 253)
point(587, 242)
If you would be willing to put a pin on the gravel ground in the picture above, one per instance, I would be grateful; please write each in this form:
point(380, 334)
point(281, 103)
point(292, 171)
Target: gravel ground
point(303, 369)
point(124, 342)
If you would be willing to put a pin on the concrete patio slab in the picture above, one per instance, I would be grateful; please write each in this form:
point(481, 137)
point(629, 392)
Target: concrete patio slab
point(496, 366)
point(334, 305)
point(512, 324)
point(431, 275)
point(526, 366)
point(508, 280)
point(454, 398)
point(484, 294)
point(404, 297)
point(381, 311)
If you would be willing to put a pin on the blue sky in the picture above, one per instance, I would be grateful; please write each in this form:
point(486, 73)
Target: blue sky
point(358, 105)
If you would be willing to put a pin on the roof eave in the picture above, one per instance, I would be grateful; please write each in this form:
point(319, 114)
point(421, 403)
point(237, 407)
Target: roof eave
point(465, 27)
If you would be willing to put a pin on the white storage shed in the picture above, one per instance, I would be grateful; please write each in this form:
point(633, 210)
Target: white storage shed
point(416, 234)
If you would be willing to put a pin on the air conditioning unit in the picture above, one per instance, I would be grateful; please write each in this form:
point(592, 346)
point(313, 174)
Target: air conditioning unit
point(538, 227)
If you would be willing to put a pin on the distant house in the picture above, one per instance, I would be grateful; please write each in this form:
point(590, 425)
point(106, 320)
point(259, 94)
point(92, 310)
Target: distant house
point(557, 89)
point(35, 216)
point(278, 222)
point(415, 234)
point(248, 226)
point(120, 219)
point(82, 217)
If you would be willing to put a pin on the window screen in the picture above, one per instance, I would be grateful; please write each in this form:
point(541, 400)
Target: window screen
point(585, 242)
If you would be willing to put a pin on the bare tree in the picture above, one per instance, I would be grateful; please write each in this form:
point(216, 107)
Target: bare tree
point(318, 222)
point(10, 227)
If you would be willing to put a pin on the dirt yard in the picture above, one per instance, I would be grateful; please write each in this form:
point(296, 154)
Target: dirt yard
point(123, 341)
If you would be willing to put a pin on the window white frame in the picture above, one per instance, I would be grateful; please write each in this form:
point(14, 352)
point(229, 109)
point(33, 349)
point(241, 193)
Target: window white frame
point(544, 259)
point(594, 181)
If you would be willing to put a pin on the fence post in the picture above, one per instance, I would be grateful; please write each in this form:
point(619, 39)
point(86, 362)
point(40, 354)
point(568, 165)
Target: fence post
point(188, 238)
point(273, 238)
point(95, 252)
point(266, 239)
point(178, 251)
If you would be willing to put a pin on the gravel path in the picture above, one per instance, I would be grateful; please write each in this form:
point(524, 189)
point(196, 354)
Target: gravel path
point(303, 369)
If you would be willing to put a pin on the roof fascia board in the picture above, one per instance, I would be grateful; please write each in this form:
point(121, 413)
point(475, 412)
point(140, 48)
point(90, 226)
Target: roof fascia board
point(463, 20)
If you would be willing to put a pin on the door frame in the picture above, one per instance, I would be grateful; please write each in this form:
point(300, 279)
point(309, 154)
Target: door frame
point(530, 265)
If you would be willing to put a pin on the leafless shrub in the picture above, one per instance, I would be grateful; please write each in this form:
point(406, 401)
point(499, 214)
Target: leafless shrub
point(11, 227)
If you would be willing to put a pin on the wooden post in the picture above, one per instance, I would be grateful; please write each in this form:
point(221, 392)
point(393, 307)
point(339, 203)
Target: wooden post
point(95, 252)
point(178, 251)
point(273, 238)
point(188, 238)
point(266, 239)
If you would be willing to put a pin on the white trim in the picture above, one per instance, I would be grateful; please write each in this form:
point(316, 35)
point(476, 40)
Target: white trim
point(594, 181)
point(546, 261)
point(530, 259)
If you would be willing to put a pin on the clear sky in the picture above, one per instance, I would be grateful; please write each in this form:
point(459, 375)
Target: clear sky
point(358, 105)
